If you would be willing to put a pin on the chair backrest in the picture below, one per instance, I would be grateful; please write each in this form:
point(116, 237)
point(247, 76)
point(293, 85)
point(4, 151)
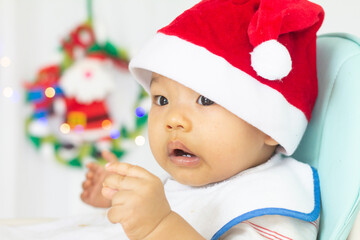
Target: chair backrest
point(332, 141)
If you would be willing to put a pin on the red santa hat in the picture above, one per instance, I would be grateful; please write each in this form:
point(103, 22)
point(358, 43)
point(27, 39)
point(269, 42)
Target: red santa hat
point(256, 58)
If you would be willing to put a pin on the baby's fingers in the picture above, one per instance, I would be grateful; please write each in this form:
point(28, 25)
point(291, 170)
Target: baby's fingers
point(86, 184)
point(108, 193)
point(116, 214)
point(109, 156)
point(120, 182)
point(126, 169)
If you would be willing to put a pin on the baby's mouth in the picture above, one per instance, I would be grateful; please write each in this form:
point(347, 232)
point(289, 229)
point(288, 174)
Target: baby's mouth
point(180, 155)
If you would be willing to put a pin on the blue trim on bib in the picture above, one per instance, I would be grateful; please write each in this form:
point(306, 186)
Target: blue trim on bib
point(308, 217)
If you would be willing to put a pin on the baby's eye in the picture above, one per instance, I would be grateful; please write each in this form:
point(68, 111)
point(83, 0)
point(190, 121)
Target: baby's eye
point(160, 100)
point(204, 101)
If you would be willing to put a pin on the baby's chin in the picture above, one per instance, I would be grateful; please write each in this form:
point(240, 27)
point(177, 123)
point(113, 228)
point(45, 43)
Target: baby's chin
point(196, 181)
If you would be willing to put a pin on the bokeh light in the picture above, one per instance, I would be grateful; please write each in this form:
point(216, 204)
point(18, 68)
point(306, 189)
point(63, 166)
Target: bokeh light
point(5, 61)
point(8, 92)
point(140, 112)
point(106, 124)
point(65, 128)
point(114, 134)
point(50, 92)
point(140, 140)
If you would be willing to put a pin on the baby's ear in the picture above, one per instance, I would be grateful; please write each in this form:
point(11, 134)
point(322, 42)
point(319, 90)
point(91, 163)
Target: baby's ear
point(270, 141)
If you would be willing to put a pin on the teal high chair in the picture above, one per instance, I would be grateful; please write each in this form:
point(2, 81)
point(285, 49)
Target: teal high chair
point(332, 141)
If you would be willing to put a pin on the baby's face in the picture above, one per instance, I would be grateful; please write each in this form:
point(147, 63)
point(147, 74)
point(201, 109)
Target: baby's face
point(199, 142)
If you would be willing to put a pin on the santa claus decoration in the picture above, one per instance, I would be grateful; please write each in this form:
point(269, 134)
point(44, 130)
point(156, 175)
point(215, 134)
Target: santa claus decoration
point(70, 100)
point(86, 85)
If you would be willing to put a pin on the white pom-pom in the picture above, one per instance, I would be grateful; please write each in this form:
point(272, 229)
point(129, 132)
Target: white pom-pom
point(271, 60)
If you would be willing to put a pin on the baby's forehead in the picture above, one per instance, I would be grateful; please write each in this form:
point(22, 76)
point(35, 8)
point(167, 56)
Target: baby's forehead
point(157, 78)
point(154, 78)
point(163, 82)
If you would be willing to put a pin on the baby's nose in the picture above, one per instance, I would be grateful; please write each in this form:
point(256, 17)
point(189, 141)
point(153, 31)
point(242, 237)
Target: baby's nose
point(178, 121)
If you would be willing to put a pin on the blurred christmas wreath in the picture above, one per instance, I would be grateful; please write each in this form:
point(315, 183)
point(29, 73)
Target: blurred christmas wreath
point(69, 100)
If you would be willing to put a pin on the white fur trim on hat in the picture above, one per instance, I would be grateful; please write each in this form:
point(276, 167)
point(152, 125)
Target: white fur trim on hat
point(271, 60)
point(212, 76)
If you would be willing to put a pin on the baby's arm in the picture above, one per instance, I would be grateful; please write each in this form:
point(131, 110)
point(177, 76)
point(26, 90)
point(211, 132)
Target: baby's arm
point(139, 204)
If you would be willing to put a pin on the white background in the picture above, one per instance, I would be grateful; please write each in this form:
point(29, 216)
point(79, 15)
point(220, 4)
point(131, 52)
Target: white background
point(32, 185)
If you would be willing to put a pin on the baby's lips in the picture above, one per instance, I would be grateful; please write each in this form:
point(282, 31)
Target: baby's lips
point(177, 145)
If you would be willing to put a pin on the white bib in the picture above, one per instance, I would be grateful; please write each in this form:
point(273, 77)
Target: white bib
point(281, 186)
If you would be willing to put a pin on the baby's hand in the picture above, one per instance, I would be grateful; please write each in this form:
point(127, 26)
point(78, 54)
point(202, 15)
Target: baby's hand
point(138, 199)
point(92, 186)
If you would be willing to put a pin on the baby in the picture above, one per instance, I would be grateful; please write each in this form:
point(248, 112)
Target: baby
point(233, 84)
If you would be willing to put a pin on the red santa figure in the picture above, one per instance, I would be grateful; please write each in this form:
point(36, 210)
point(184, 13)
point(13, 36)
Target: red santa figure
point(86, 85)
